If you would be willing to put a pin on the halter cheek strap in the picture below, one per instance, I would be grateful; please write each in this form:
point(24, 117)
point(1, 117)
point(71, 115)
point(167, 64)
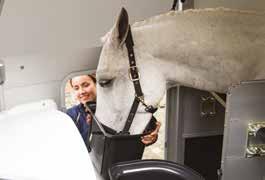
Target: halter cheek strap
point(135, 78)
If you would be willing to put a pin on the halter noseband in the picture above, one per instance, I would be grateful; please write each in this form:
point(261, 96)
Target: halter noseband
point(135, 78)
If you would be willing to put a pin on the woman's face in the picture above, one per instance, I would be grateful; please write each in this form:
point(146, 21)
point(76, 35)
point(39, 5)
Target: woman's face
point(84, 89)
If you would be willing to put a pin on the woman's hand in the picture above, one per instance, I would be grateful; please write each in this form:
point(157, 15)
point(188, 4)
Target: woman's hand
point(153, 136)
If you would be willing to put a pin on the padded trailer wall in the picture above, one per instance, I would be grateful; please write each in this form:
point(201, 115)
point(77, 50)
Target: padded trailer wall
point(243, 156)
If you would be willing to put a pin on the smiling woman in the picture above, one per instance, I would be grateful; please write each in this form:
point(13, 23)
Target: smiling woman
point(71, 94)
point(83, 89)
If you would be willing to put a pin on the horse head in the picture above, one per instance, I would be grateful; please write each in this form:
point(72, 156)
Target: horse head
point(208, 49)
point(115, 89)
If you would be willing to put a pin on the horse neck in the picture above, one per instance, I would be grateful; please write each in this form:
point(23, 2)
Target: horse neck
point(170, 56)
point(199, 50)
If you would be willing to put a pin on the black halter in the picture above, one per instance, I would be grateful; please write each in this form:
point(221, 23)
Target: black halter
point(135, 78)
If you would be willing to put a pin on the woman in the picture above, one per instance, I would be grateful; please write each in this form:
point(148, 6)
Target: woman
point(84, 88)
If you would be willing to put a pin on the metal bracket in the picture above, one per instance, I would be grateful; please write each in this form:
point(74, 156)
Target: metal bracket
point(255, 139)
point(207, 106)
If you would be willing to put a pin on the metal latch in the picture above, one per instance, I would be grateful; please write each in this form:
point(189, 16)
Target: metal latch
point(207, 106)
point(255, 139)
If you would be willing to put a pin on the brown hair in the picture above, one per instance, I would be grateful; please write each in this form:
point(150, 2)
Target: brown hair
point(92, 76)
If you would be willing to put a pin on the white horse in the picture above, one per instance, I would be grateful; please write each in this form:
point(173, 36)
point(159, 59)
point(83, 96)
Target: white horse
point(208, 49)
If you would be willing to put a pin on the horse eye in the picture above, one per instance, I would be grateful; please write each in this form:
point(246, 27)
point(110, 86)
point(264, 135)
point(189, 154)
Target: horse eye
point(104, 82)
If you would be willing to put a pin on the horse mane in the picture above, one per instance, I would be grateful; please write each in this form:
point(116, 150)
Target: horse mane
point(170, 14)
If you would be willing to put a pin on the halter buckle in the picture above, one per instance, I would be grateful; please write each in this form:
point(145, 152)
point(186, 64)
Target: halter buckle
point(148, 108)
point(134, 70)
point(140, 98)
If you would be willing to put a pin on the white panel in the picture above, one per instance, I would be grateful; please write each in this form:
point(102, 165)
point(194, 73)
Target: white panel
point(67, 8)
point(34, 26)
point(42, 74)
point(141, 9)
point(27, 94)
point(42, 68)
point(43, 105)
point(42, 145)
point(236, 4)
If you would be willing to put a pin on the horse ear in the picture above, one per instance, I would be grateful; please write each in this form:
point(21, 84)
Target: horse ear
point(122, 26)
